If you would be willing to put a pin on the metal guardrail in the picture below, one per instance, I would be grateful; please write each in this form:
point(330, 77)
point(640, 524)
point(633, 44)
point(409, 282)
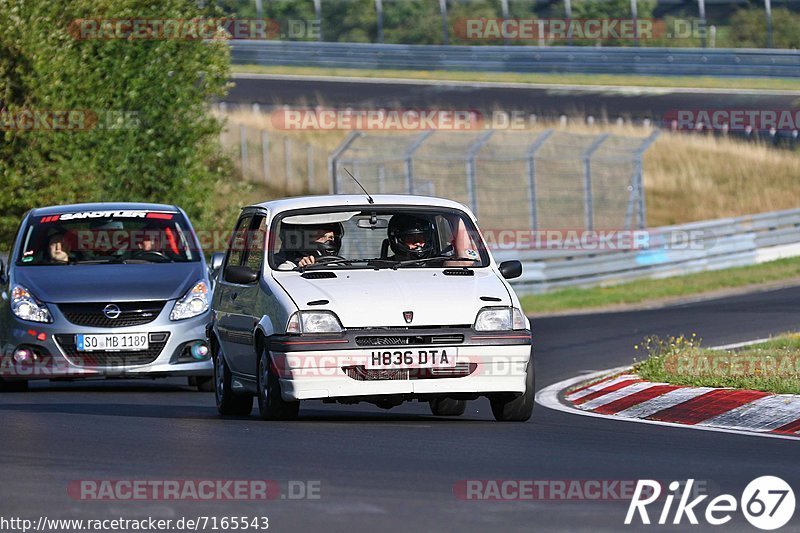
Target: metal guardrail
point(670, 251)
point(574, 59)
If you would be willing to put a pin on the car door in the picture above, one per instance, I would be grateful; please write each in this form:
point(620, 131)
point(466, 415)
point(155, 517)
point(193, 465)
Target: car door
point(233, 336)
point(249, 295)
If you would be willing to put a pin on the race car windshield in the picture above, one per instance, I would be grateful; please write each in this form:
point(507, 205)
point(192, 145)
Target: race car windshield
point(107, 238)
point(379, 238)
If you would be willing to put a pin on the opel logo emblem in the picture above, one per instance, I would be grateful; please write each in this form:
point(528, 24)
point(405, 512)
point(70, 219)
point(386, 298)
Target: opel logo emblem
point(111, 311)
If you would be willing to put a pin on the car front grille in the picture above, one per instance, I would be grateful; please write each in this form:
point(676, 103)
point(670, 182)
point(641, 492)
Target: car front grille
point(359, 373)
point(403, 340)
point(103, 358)
point(131, 314)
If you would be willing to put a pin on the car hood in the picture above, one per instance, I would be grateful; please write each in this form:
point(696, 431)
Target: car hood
point(370, 298)
point(119, 283)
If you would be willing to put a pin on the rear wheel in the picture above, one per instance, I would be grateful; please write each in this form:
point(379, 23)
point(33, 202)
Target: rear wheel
point(228, 403)
point(515, 407)
point(13, 386)
point(271, 405)
point(448, 407)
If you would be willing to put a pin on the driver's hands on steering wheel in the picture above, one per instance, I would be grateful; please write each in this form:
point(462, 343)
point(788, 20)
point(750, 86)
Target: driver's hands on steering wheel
point(307, 260)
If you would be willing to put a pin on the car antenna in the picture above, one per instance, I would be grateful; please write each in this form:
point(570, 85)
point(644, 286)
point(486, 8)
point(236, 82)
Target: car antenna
point(359, 184)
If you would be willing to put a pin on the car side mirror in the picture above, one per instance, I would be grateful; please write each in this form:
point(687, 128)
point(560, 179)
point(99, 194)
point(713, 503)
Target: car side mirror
point(240, 275)
point(215, 263)
point(511, 269)
point(3, 277)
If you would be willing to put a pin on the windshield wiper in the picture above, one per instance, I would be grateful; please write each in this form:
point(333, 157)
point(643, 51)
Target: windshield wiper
point(378, 263)
point(435, 259)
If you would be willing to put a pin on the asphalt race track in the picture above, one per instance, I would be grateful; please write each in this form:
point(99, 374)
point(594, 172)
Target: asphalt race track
point(392, 470)
point(629, 103)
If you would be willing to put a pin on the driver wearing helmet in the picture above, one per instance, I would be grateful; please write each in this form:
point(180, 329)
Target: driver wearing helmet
point(411, 237)
point(304, 245)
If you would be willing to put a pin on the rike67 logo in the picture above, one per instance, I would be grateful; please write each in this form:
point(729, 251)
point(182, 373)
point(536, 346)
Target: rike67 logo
point(767, 503)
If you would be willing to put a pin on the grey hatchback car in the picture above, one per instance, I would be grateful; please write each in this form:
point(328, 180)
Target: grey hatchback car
point(104, 290)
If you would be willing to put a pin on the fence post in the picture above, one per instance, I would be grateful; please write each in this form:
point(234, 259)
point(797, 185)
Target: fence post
point(333, 175)
point(318, 16)
point(287, 159)
point(379, 15)
point(408, 156)
point(381, 179)
point(531, 169)
point(310, 166)
point(265, 154)
point(243, 148)
point(588, 205)
point(472, 186)
point(638, 179)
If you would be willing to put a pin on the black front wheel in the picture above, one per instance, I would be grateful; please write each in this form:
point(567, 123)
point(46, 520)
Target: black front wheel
point(515, 407)
point(271, 405)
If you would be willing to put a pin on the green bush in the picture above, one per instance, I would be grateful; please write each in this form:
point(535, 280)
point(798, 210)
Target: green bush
point(748, 28)
point(154, 140)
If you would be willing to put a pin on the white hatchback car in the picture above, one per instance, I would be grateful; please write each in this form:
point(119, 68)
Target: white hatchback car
point(380, 299)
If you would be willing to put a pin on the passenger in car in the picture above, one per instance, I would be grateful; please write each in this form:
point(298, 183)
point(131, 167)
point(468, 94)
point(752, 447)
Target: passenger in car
point(58, 248)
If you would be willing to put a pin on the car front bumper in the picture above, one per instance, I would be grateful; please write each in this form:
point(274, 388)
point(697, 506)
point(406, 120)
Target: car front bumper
point(57, 358)
point(480, 369)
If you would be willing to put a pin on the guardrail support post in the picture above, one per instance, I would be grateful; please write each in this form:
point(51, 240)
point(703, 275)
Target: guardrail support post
point(333, 160)
point(310, 166)
point(588, 204)
point(530, 164)
point(472, 186)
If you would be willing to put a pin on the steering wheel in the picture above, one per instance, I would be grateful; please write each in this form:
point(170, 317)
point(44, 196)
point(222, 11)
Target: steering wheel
point(329, 259)
point(150, 254)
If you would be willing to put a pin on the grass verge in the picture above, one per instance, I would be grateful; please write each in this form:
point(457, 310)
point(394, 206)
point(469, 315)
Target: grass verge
point(534, 78)
point(772, 366)
point(643, 291)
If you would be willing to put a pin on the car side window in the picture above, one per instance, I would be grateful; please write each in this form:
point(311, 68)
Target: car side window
point(237, 247)
point(257, 238)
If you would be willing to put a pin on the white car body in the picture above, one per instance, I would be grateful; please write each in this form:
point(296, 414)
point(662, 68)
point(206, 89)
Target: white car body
point(371, 304)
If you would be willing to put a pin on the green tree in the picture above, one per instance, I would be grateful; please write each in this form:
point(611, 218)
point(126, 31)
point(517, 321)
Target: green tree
point(154, 139)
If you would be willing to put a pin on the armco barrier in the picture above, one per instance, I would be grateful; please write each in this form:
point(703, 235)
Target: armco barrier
point(573, 59)
point(701, 246)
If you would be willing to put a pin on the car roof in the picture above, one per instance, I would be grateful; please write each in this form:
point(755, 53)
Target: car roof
point(102, 206)
point(345, 200)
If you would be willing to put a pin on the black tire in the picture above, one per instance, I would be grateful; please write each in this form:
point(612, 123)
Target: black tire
point(515, 407)
point(13, 386)
point(271, 405)
point(205, 383)
point(448, 406)
point(228, 403)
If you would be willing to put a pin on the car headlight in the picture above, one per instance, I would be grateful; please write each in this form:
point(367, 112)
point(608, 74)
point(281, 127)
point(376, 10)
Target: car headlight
point(25, 306)
point(193, 303)
point(499, 319)
point(313, 322)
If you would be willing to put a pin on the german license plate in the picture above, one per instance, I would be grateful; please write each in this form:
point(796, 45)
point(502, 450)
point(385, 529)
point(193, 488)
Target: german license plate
point(417, 358)
point(112, 342)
